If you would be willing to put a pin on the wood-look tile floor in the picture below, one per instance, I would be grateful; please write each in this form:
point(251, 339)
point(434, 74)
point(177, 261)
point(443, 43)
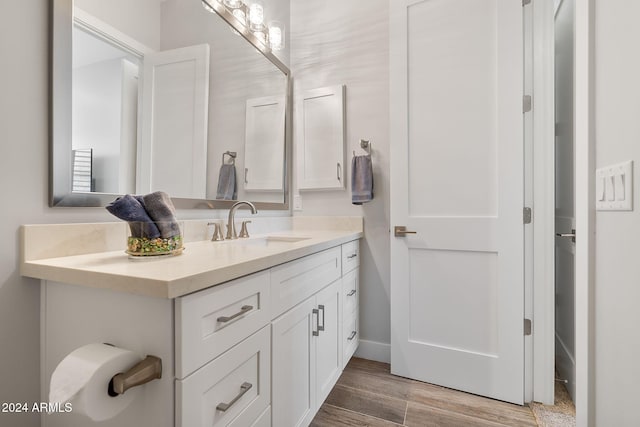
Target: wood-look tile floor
point(368, 395)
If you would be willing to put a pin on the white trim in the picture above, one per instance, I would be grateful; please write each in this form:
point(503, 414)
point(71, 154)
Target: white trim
point(373, 350)
point(95, 26)
point(543, 201)
point(584, 210)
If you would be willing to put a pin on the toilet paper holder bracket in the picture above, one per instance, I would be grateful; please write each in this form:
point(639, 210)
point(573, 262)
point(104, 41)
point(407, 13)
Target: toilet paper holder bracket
point(148, 369)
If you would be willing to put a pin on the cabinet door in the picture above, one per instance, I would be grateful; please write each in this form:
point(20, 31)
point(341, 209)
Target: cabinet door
point(321, 139)
point(328, 350)
point(293, 368)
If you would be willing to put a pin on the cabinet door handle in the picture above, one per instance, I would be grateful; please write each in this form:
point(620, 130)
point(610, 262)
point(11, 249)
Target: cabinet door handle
point(352, 293)
point(321, 328)
point(352, 336)
point(245, 387)
point(315, 333)
point(352, 256)
point(244, 309)
point(339, 172)
point(246, 175)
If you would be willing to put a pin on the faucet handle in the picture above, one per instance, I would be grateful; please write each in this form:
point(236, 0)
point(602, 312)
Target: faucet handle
point(217, 232)
point(243, 231)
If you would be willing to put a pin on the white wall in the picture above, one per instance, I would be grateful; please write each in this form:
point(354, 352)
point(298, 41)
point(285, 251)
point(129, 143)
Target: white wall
point(617, 267)
point(347, 42)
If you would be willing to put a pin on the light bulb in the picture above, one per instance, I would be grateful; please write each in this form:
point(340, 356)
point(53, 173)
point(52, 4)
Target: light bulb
point(256, 15)
point(276, 35)
point(240, 15)
point(232, 3)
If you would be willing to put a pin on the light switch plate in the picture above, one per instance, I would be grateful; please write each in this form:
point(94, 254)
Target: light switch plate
point(614, 187)
point(297, 202)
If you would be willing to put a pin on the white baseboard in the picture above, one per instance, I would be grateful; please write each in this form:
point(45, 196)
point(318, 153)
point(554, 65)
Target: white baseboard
point(373, 350)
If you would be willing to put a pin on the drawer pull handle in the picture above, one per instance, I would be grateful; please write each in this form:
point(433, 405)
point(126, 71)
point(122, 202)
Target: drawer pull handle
point(352, 293)
point(244, 309)
point(245, 387)
point(352, 336)
point(315, 333)
point(352, 256)
point(321, 328)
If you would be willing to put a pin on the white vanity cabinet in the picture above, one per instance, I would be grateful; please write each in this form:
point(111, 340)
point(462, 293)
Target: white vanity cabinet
point(260, 350)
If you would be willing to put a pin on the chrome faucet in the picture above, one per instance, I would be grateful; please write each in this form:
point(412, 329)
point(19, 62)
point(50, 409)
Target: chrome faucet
point(231, 226)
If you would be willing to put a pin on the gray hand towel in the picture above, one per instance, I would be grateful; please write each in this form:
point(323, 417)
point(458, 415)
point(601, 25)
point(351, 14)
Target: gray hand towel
point(130, 209)
point(160, 208)
point(361, 179)
point(227, 183)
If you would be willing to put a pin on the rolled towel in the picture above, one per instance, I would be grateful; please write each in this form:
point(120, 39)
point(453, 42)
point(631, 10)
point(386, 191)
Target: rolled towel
point(160, 208)
point(361, 179)
point(129, 209)
point(227, 183)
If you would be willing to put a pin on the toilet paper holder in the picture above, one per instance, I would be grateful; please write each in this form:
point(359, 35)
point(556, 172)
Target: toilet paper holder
point(148, 369)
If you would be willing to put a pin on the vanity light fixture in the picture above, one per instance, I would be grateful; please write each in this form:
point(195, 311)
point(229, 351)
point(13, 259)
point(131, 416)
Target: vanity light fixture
point(251, 17)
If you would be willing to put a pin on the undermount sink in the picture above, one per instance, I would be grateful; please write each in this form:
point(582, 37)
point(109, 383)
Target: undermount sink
point(271, 240)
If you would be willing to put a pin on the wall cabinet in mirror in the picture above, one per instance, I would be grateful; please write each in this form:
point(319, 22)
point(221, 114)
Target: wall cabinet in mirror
point(320, 142)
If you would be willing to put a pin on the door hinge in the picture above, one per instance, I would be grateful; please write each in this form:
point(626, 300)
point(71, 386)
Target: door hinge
point(526, 215)
point(525, 2)
point(527, 327)
point(526, 103)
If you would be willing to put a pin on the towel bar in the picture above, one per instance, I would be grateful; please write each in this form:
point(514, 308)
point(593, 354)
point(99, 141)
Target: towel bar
point(231, 154)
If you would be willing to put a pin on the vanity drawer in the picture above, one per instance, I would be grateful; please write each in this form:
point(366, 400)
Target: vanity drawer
point(350, 293)
point(232, 390)
point(211, 321)
point(350, 337)
point(350, 256)
point(295, 281)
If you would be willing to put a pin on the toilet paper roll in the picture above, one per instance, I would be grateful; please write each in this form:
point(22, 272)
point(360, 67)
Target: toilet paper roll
point(82, 378)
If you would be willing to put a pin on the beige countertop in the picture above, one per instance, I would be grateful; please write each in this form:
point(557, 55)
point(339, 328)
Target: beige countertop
point(201, 265)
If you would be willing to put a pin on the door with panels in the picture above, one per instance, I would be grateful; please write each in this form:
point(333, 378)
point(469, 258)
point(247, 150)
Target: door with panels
point(457, 287)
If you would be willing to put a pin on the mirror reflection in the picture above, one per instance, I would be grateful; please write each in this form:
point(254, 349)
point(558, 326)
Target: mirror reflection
point(161, 90)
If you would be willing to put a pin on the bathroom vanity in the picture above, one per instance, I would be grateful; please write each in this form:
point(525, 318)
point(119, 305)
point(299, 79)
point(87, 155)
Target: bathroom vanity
point(251, 332)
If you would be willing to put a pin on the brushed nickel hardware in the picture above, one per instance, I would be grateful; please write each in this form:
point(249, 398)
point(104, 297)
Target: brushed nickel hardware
point(562, 380)
point(352, 336)
point(244, 233)
point(572, 235)
point(316, 333)
point(321, 328)
point(246, 175)
point(232, 155)
point(144, 371)
point(526, 103)
point(352, 256)
point(401, 231)
point(525, 2)
point(231, 226)
point(365, 145)
point(245, 387)
point(527, 215)
point(217, 231)
point(339, 170)
point(244, 309)
point(352, 293)
point(527, 327)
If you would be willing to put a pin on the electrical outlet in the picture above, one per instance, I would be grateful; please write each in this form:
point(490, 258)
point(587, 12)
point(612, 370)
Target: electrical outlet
point(297, 202)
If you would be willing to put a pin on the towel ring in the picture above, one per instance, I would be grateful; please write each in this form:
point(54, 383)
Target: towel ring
point(231, 154)
point(365, 145)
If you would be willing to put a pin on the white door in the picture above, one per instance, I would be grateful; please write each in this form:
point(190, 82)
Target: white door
point(173, 149)
point(293, 379)
point(457, 286)
point(328, 351)
point(565, 221)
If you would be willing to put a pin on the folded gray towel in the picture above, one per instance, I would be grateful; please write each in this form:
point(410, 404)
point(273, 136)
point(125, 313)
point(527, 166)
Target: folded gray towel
point(361, 179)
point(130, 209)
point(160, 208)
point(227, 183)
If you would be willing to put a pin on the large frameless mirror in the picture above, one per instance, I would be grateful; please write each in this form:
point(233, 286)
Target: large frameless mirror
point(152, 95)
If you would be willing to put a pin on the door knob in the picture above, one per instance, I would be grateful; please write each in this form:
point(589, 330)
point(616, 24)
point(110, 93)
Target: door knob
point(572, 235)
point(401, 231)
